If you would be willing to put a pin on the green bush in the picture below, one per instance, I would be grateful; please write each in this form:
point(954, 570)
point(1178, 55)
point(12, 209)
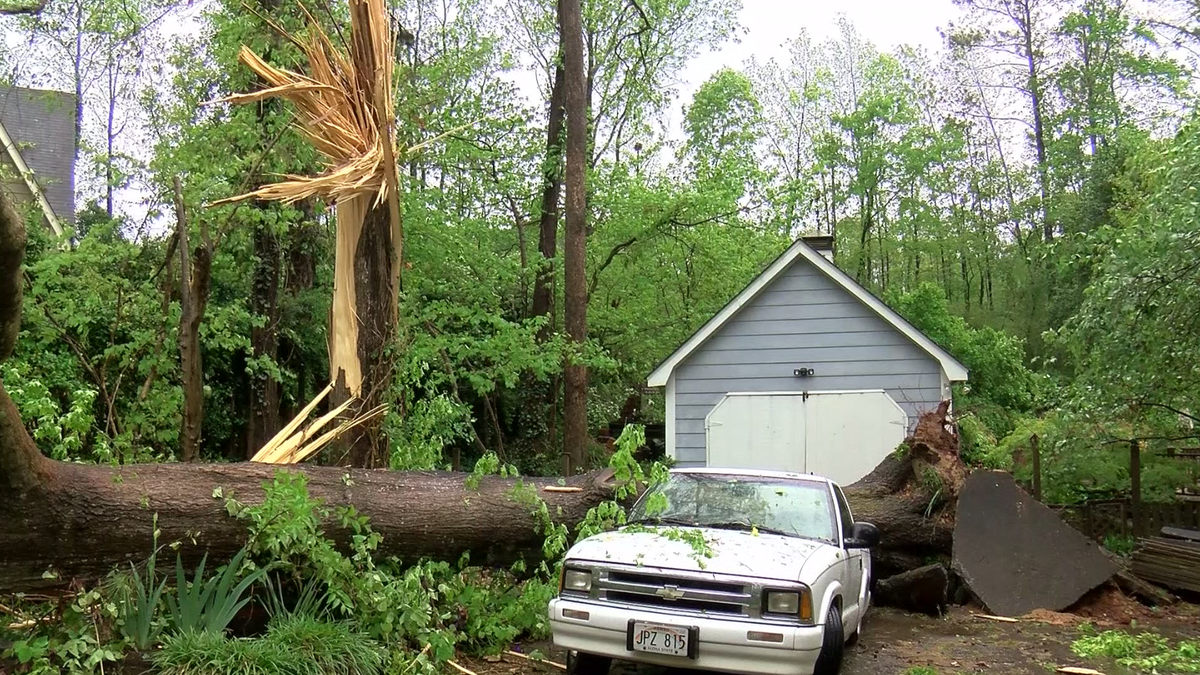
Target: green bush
point(292, 646)
point(999, 374)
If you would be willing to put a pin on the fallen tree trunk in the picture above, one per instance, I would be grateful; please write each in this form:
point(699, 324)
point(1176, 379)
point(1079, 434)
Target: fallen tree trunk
point(62, 521)
point(80, 521)
point(924, 590)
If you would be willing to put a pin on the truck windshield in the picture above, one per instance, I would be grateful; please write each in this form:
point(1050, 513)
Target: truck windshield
point(796, 508)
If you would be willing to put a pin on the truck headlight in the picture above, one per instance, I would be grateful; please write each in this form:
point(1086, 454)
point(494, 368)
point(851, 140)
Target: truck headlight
point(576, 580)
point(797, 603)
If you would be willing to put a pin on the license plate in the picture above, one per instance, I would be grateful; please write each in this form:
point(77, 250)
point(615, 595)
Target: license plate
point(655, 638)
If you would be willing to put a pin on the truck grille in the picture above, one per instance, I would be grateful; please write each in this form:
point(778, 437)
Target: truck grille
point(660, 589)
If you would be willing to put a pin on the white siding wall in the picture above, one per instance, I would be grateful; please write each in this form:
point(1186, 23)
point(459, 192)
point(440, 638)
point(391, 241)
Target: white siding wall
point(803, 319)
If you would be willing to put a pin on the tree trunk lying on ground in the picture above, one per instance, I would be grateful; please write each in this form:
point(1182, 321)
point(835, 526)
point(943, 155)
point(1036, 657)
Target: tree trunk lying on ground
point(62, 521)
point(79, 521)
point(925, 589)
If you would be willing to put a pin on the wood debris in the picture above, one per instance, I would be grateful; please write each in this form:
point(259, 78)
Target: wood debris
point(462, 669)
point(993, 617)
point(530, 658)
point(1174, 563)
point(290, 447)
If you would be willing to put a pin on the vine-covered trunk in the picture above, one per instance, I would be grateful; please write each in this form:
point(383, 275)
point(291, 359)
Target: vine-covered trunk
point(264, 420)
point(543, 289)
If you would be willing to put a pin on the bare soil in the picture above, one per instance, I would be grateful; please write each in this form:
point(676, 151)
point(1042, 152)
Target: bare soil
point(962, 642)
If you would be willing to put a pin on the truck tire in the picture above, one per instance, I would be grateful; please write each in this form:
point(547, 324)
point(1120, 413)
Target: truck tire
point(829, 662)
point(579, 663)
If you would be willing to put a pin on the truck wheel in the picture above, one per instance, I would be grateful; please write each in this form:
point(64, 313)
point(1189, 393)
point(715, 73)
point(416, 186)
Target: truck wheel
point(579, 663)
point(829, 662)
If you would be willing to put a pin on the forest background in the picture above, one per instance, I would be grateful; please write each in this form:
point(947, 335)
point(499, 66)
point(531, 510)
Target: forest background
point(1024, 191)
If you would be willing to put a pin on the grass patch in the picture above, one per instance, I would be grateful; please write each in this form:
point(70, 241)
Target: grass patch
point(1144, 652)
point(921, 670)
point(294, 645)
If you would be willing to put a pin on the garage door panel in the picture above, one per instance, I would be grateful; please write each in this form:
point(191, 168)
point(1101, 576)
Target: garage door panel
point(840, 435)
point(748, 432)
point(849, 434)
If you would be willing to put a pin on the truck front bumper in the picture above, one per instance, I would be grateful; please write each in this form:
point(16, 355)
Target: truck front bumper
point(722, 645)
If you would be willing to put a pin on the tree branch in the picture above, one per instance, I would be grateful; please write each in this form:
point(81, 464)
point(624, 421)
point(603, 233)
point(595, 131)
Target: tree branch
point(616, 250)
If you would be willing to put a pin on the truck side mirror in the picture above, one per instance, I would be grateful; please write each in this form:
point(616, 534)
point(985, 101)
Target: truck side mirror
point(862, 535)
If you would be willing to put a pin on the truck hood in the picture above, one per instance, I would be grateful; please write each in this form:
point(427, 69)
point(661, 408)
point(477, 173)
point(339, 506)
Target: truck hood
point(734, 552)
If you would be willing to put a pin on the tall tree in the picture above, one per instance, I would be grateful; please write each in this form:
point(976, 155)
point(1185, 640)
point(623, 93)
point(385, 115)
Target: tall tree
point(1019, 32)
point(575, 427)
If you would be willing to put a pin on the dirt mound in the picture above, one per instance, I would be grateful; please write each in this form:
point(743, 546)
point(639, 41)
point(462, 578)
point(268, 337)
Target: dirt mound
point(1107, 604)
point(1053, 618)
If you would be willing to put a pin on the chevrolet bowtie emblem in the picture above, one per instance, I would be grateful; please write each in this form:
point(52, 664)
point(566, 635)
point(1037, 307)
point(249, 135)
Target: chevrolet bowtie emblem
point(669, 593)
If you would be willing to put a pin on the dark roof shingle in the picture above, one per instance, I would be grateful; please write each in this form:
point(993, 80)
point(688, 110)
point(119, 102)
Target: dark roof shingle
point(42, 124)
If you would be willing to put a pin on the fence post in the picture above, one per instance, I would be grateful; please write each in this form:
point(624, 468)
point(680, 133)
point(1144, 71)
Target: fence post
point(1034, 446)
point(1135, 485)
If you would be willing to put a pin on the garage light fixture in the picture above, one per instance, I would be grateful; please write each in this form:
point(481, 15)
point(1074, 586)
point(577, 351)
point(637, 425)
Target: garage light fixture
point(804, 372)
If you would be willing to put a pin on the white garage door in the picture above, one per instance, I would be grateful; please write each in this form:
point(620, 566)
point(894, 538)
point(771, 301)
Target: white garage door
point(841, 435)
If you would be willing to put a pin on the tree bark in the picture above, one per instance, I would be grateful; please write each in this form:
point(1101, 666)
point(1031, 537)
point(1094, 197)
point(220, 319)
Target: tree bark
point(924, 590)
point(543, 289)
point(195, 276)
point(264, 420)
point(79, 521)
point(911, 497)
point(575, 250)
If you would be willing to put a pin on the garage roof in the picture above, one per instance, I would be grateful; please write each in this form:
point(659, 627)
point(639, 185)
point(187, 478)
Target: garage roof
point(955, 371)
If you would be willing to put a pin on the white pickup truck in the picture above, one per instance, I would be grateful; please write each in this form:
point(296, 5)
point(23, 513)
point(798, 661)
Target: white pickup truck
point(755, 572)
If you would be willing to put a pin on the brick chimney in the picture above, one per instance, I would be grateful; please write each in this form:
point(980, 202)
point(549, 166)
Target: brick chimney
point(821, 243)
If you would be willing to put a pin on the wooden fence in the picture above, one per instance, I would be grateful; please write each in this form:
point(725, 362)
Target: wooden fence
point(1116, 517)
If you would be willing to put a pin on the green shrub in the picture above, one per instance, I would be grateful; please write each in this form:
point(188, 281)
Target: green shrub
point(311, 602)
point(327, 646)
point(292, 646)
point(210, 605)
point(1121, 545)
point(139, 607)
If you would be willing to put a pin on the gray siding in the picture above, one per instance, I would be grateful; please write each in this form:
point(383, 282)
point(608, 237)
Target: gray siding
point(802, 319)
point(42, 124)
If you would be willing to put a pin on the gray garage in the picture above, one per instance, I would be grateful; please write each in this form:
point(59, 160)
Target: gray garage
point(805, 370)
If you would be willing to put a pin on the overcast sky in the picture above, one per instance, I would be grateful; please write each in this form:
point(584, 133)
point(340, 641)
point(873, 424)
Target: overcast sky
point(769, 23)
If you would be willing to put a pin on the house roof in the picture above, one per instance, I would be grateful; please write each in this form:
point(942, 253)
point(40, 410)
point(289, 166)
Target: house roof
point(955, 371)
point(41, 127)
